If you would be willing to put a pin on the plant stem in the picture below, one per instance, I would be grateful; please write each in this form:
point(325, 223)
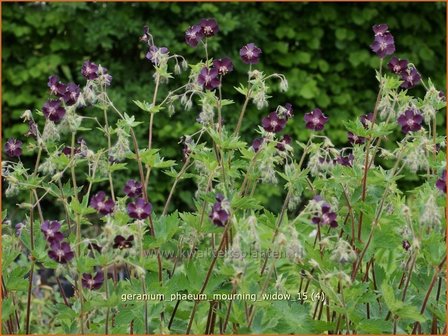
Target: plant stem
point(109, 145)
point(367, 162)
point(246, 102)
point(208, 275)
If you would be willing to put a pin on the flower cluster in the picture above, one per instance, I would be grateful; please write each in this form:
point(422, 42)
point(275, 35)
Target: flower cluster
point(60, 251)
point(383, 43)
point(325, 216)
point(220, 211)
point(196, 33)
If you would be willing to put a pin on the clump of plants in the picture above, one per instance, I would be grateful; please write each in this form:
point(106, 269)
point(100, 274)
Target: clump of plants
point(349, 252)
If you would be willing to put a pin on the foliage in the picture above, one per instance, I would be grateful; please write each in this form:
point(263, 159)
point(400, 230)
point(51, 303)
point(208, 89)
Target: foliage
point(348, 250)
point(321, 48)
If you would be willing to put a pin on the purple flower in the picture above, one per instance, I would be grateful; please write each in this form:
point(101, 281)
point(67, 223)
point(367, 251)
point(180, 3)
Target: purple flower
point(51, 231)
point(154, 54)
point(71, 94)
point(250, 53)
point(133, 188)
point(146, 36)
point(89, 70)
point(32, 129)
point(208, 78)
point(355, 140)
point(67, 150)
point(346, 160)
point(140, 209)
point(19, 228)
point(397, 65)
point(218, 214)
point(327, 217)
point(380, 29)
point(186, 151)
point(209, 27)
point(315, 120)
point(410, 121)
point(121, 242)
point(406, 245)
point(273, 123)
point(194, 35)
point(53, 110)
point(92, 282)
point(256, 144)
point(289, 113)
point(94, 247)
point(442, 96)
point(383, 43)
point(441, 182)
point(13, 147)
point(60, 252)
point(366, 119)
point(223, 65)
point(410, 78)
point(281, 145)
point(53, 84)
point(101, 204)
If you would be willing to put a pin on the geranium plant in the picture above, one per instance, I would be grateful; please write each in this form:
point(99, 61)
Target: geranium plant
point(351, 250)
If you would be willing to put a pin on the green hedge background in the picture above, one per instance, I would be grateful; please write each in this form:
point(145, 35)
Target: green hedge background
point(323, 49)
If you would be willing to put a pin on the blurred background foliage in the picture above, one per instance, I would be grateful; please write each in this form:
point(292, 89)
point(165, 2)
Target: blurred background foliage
point(323, 49)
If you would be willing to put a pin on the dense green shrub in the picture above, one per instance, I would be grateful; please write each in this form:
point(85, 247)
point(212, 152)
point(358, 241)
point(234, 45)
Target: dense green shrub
point(321, 48)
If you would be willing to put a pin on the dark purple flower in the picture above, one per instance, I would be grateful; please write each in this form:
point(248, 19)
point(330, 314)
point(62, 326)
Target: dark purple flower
point(441, 182)
point(327, 217)
point(366, 119)
point(53, 110)
point(250, 53)
point(406, 245)
point(289, 113)
point(410, 78)
point(273, 123)
point(53, 82)
point(186, 151)
point(140, 209)
point(209, 27)
point(410, 121)
point(92, 282)
point(355, 140)
point(121, 242)
point(101, 204)
point(67, 150)
point(146, 36)
point(346, 160)
point(89, 70)
point(51, 231)
point(133, 188)
point(94, 247)
point(194, 35)
point(380, 29)
point(223, 65)
point(208, 78)
point(256, 144)
point(281, 145)
point(218, 214)
point(315, 120)
point(383, 45)
point(442, 96)
point(71, 94)
point(13, 147)
point(32, 129)
point(19, 228)
point(154, 54)
point(60, 252)
point(397, 65)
